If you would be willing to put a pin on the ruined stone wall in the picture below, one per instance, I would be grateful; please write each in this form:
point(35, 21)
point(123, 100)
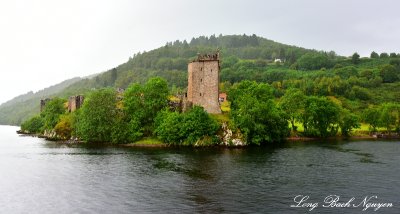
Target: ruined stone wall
point(203, 81)
point(43, 103)
point(75, 102)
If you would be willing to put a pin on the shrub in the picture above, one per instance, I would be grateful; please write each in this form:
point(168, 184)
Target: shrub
point(64, 126)
point(188, 127)
point(33, 125)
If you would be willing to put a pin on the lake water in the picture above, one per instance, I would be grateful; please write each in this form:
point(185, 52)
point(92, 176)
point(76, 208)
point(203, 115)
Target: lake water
point(37, 176)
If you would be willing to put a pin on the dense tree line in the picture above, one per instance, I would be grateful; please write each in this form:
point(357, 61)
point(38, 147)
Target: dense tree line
point(141, 111)
point(170, 61)
point(47, 119)
point(255, 113)
point(356, 81)
point(262, 119)
point(386, 115)
point(345, 89)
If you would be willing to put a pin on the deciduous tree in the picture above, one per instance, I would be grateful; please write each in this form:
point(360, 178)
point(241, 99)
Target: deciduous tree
point(355, 59)
point(98, 116)
point(293, 104)
point(321, 116)
point(374, 55)
point(256, 114)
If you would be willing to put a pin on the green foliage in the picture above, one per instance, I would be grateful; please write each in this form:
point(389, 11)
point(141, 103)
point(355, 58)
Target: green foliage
point(244, 57)
point(197, 124)
point(155, 97)
point(139, 107)
point(185, 128)
point(354, 84)
point(169, 127)
point(293, 104)
point(360, 93)
point(229, 62)
point(262, 91)
point(52, 112)
point(355, 59)
point(64, 127)
point(374, 55)
point(105, 118)
point(314, 61)
point(389, 74)
point(126, 129)
point(367, 73)
point(47, 119)
point(321, 117)
point(97, 116)
point(390, 116)
point(386, 115)
point(133, 101)
point(260, 122)
point(224, 87)
point(348, 122)
point(384, 55)
point(395, 63)
point(33, 125)
point(372, 117)
point(142, 103)
point(255, 113)
point(346, 72)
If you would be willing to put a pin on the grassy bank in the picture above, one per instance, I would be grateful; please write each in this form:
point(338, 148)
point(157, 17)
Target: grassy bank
point(147, 142)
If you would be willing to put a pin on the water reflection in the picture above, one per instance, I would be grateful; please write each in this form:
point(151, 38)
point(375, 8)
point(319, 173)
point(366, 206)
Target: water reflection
point(49, 177)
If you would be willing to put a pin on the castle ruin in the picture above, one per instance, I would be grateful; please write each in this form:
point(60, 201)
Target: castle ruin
point(43, 103)
point(75, 102)
point(203, 82)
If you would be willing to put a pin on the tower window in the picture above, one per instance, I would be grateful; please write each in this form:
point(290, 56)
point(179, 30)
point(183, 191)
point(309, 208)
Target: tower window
point(200, 94)
point(201, 68)
point(211, 70)
point(201, 80)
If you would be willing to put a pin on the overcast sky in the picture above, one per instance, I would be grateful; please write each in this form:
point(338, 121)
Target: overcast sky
point(43, 42)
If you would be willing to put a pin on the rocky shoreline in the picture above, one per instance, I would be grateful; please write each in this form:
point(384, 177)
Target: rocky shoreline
point(228, 139)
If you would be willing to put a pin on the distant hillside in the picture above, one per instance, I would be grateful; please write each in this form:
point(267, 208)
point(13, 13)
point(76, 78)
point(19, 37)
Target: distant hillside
point(243, 57)
point(24, 106)
point(170, 61)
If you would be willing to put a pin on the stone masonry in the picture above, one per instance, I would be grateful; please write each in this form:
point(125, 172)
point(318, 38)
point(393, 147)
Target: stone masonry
point(75, 102)
point(203, 82)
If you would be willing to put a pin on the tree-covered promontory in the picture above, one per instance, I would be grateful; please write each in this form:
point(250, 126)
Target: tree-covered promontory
point(239, 52)
point(259, 116)
point(357, 93)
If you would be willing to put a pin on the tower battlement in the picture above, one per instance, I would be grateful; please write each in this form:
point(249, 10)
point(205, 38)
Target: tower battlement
point(207, 57)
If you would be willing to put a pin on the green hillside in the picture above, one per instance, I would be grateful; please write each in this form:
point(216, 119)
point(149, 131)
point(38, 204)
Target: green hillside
point(170, 61)
point(24, 106)
point(355, 83)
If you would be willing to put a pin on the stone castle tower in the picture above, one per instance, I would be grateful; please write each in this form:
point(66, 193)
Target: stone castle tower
point(203, 82)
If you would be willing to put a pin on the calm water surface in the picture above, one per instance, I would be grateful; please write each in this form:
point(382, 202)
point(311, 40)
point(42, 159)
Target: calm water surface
point(37, 176)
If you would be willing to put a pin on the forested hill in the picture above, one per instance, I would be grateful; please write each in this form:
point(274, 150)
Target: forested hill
point(18, 109)
point(170, 61)
point(353, 82)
